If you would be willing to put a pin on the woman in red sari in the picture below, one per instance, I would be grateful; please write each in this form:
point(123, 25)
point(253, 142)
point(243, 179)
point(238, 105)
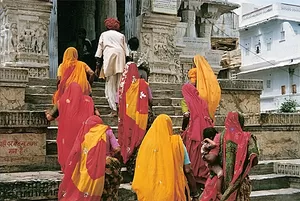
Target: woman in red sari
point(74, 108)
point(90, 175)
point(193, 135)
point(133, 112)
point(238, 154)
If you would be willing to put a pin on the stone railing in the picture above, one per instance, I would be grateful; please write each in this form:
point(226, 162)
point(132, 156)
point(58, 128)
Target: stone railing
point(250, 120)
point(287, 169)
point(22, 119)
point(247, 85)
point(284, 119)
point(13, 75)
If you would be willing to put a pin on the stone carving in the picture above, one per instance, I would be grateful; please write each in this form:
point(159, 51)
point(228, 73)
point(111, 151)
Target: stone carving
point(13, 75)
point(42, 39)
point(249, 85)
point(23, 119)
point(14, 37)
point(163, 46)
point(287, 169)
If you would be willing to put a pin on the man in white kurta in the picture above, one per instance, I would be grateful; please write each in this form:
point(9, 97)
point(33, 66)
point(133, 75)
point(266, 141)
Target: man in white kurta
point(112, 46)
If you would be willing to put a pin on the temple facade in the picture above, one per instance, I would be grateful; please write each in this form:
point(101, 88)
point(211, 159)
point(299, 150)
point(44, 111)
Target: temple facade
point(35, 33)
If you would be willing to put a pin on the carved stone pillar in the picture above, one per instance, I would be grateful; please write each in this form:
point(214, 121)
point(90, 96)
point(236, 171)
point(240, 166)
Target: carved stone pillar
point(87, 18)
point(189, 16)
point(107, 8)
point(24, 35)
point(157, 39)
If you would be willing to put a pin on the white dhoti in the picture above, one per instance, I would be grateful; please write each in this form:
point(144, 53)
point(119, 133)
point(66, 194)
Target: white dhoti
point(111, 88)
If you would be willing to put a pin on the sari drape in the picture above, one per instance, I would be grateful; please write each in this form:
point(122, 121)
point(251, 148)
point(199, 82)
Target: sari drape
point(156, 177)
point(71, 70)
point(133, 112)
point(74, 108)
point(85, 171)
point(207, 85)
point(193, 135)
point(238, 150)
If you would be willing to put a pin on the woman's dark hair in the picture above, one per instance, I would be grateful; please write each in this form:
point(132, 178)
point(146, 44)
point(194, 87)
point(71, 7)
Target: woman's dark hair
point(241, 119)
point(134, 43)
point(210, 133)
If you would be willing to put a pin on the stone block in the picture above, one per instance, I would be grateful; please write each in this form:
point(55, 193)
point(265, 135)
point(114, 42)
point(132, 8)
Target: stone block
point(12, 88)
point(22, 149)
point(278, 144)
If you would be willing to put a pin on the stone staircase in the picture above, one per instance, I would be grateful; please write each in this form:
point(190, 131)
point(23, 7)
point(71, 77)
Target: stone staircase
point(38, 97)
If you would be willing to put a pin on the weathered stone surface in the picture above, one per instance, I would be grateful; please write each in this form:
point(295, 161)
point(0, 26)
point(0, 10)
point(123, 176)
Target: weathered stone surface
point(24, 35)
point(247, 102)
point(278, 144)
point(22, 149)
point(12, 98)
point(166, 7)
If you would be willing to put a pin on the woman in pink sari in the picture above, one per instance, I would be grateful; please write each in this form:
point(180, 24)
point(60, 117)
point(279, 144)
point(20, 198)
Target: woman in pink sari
point(74, 108)
point(238, 154)
point(193, 135)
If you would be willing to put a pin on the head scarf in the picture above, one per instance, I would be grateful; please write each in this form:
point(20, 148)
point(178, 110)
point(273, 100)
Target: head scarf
point(112, 24)
point(207, 85)
point(155, 173)
point(72, 70)
point(193, 135)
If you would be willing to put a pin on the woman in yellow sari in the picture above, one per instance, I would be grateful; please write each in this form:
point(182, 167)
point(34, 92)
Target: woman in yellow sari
point(159, 173)
point(72, 70)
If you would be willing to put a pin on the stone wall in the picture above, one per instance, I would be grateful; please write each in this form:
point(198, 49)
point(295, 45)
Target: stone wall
point(278, 135)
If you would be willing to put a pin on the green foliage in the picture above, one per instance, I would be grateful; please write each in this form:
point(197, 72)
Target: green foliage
point(288, 106)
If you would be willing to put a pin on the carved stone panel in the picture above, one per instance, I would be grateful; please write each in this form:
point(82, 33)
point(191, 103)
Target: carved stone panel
point(165, 6)
point(22, 149)
point(24, 32)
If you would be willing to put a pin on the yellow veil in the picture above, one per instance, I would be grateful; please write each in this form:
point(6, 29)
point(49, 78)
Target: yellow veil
point(207, 84)
point(155, 172)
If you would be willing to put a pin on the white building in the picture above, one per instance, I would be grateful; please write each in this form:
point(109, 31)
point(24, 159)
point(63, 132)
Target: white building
point(270, 43)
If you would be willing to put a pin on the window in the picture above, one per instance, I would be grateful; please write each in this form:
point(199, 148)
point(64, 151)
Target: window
point(268, 40)
point(282, 35)
point(268, 84)
point(283, 90)
point(294, 89)
point(258, 47)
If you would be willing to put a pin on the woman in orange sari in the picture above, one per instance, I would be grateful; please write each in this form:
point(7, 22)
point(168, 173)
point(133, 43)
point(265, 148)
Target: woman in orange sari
point(238, 154)
point(90, 174)
point(74, 108)
point(159, 173)
point(133, 112)
point(72, 70)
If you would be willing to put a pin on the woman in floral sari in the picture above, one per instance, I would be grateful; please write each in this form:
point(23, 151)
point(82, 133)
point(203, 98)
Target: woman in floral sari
point(193, 135)
point(72, 70)
point(90, 174)
point(133, 113)
point(238, 154)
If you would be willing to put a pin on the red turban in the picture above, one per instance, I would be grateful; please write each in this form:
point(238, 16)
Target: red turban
point(112, 24)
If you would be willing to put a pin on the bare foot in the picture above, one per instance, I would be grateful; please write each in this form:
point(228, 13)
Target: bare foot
point(113, 114)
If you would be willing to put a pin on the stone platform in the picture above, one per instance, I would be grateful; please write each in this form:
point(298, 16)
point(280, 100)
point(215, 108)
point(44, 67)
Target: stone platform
point(43, 185)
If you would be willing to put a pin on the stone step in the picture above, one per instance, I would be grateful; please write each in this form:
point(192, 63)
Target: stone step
point(51, 147)
point(100, 91)
point(52, 131)
point(52, 82)
point(263, 167)
point(269, 181)
point(47, 99)
point(286, 194)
